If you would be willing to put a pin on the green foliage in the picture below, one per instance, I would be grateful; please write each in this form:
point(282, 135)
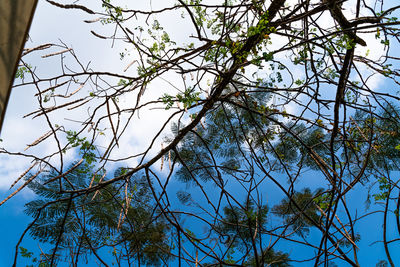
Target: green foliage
point(43, 261)
point(289, 150)
point(383, 133)
point(268, 56)
point(345, 42)
point(382, 263)
point(242, 225)
point(299, 211)
point(272, 258)
point(220, 134)
point(22, 70)
point(247, 136)
point(86, 149)
point(99, 219)
point(25, 253)
point(384, 187)
point(114, 13)
point(187, 98)
point(344, 242)
point(324, 201)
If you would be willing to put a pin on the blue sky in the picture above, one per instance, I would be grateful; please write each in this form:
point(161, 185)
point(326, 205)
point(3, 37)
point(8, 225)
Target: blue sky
point(14, 221)
point(49, 25)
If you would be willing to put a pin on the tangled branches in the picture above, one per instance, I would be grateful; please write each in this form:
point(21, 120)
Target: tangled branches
point(270, 123)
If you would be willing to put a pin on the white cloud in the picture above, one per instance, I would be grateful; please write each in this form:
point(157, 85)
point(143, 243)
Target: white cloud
point(51, 23)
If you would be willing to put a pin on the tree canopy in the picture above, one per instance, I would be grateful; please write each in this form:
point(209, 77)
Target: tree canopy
point(269, 126)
